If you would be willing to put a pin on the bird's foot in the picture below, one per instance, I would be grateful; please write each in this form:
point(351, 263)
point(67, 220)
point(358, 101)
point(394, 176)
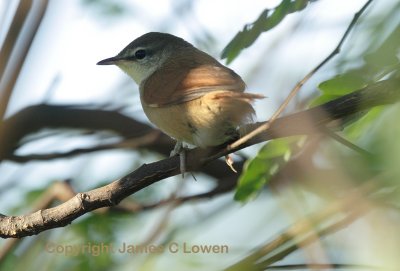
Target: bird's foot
point(229, 162)
point(177, 149)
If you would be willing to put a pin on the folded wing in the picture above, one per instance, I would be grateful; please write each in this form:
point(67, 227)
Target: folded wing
point(175, 86)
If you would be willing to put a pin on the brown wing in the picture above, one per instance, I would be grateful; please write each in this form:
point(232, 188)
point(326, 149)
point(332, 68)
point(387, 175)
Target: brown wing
point(175, 86)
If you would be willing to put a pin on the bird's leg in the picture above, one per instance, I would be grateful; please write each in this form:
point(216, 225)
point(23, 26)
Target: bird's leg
point(182, 162)
point(180, 149)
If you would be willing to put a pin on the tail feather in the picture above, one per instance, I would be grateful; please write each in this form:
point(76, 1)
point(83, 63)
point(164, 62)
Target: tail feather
point(217, 116)
point(236, 106)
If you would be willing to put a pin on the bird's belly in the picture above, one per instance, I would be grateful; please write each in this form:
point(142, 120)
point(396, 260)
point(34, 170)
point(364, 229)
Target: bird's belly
point(191, 122)
point(172, 120)
point(210, 120)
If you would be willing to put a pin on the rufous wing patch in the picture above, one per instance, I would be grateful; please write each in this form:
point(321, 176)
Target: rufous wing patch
point(179, 85)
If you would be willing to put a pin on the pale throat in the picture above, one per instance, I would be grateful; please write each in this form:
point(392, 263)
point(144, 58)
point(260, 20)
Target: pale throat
point(137, 72)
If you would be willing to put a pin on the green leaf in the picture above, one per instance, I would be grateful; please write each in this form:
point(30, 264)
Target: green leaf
point(110, 8)
point(259, 170)
point(359, 128)
point(386, 54)
point(253, 179)
point(267, 20)
point(273, 149)
point(322, 99)
point(343, 84)
point(339, 85)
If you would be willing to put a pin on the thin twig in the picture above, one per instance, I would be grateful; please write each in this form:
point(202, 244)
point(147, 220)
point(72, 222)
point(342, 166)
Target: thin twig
point(309, 239)
point(346, 143)
point(288, 241)
point(300, 84)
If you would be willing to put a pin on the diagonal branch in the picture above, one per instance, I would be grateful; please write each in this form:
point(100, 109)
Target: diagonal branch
point(384, 92)
point(380, 93)
point(300, 84)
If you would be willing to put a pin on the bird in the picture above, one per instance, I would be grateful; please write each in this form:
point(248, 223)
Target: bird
point(185, 92)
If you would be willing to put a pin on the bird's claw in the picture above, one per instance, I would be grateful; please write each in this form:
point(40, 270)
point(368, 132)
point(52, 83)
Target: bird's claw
point(229, 162)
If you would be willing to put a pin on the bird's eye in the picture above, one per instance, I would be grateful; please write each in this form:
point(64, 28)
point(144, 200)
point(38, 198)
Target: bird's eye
point(140, 54)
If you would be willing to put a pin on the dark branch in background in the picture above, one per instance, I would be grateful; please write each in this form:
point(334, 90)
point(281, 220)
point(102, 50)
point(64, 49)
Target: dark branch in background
point(384, 92)
point(34, 118)
point(137, 135)
point(321, 266)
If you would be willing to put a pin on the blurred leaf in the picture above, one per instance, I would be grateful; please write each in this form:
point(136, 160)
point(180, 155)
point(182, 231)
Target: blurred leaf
point(322, 99)
point(34, 195)
point(339, 85)
point(267, 20)
point(386, 54)
point(378, 133)
point(343, 84)
point(379, 62)
point(30, 199)
point(274, 149)
point(383, 139)
point(358, 128)
point(259, 170)
point(100, 227)
point(111, 8)
point(8, 262)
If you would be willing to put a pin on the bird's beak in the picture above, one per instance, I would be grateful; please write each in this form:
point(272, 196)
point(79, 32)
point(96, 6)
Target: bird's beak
point(111, 61)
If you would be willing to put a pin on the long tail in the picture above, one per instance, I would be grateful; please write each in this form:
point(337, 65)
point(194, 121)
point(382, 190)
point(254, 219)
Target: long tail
point(236, 106)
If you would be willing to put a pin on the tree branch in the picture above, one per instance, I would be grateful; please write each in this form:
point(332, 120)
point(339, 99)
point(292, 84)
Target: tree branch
point(384, 92)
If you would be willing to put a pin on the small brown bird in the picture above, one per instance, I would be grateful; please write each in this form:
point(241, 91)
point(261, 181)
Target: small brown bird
point(185, 92)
